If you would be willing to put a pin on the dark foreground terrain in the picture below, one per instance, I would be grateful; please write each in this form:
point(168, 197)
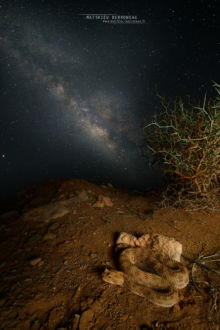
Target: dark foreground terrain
point(55, 243)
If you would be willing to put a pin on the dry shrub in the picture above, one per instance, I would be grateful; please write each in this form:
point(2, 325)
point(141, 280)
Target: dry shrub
point(185, 142)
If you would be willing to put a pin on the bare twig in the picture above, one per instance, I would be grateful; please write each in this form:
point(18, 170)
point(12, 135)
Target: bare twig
point(213, 291)
point(186, 143)
point(201, 264)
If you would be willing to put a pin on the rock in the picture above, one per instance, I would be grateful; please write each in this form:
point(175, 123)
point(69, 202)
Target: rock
point(93, 255)
point(163, 244)
point(103, 201)
point(98, 204)
point(35, 261)
point(76, 322)
point(62, 196)
point(124, 317)
point(176, 308)
point(86, 320)
point(47, 212)
point(55, 317)
point(97, 306)
point(49, 236)
point(120, 212)
point(81, 197)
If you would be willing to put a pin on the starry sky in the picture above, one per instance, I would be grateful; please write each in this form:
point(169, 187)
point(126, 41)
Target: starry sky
point(77, 79)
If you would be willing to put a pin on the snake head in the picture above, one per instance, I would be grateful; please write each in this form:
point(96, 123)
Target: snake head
point(113, 277)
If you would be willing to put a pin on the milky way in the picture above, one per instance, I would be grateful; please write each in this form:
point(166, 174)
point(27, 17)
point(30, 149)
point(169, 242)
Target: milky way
point(99, 113)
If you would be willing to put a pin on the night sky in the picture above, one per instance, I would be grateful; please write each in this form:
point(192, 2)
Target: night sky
point(75, 87)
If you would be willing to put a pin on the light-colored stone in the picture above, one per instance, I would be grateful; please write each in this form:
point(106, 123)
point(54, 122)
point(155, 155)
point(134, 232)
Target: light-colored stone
point(160, 243)
point(47, 212)
point(86, 320)
point(81, 197)
point(76, 322)
point(103, 201)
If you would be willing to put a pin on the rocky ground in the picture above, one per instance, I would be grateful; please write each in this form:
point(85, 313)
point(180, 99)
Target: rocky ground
point(57, 238)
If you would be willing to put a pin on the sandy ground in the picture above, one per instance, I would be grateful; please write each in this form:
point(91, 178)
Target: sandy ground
point(55, 244)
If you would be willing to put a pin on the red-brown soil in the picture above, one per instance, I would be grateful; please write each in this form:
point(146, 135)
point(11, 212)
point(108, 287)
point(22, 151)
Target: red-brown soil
point(51, 267)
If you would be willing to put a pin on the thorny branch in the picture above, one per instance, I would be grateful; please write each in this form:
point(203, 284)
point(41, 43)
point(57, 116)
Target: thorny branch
point(213, 291)
point(186, 145)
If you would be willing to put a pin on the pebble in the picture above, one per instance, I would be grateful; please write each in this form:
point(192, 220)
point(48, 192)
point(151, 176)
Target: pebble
point(103, 201)
point(93, 255)
point(46, 212)
point(76, 322)
point(125, 317)
point(35, 261)
point(176, 308)
point(41, 263)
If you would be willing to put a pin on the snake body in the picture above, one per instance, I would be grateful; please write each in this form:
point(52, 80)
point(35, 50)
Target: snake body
point(149, 274)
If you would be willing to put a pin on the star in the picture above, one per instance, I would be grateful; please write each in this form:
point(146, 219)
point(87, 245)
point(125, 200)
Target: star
point(76, 91)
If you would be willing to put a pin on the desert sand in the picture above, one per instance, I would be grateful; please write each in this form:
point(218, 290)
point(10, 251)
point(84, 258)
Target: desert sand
point(58, 237)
